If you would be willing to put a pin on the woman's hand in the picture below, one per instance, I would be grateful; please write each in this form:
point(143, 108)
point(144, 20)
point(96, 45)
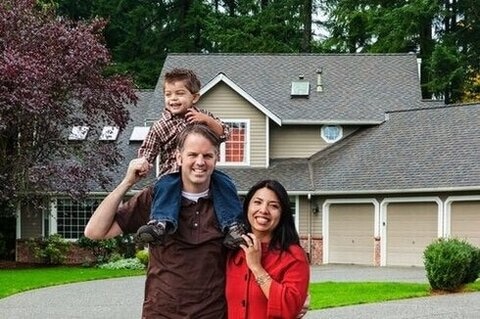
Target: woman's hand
point(253, 254)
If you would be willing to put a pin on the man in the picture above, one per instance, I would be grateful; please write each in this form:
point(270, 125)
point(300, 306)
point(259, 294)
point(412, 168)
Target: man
point(186, 275)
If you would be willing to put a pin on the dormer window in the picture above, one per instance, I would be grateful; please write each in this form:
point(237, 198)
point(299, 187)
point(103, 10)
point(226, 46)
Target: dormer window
point(332, 133)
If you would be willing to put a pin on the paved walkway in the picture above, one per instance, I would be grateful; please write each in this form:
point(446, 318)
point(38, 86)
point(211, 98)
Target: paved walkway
point(122, 298)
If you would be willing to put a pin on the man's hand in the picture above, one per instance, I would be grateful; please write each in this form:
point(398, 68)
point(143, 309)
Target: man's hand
point(137, 169)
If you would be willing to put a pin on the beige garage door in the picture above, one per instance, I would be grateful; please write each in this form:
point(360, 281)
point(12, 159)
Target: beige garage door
point(465, 221)
point(411, 227)
point(351, 234)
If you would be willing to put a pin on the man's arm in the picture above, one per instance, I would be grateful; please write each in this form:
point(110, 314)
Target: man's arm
point(102, 224)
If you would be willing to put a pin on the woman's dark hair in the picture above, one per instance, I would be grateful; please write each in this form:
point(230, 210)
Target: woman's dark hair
point(285, 233)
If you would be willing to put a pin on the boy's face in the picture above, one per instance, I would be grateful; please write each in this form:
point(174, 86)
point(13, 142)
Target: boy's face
point(178, 99)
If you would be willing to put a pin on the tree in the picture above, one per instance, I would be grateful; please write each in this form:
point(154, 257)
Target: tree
point(52, 78)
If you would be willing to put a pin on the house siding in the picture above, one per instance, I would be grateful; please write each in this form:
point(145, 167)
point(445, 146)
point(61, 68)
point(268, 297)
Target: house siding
point(225, 103)
point(299, 141)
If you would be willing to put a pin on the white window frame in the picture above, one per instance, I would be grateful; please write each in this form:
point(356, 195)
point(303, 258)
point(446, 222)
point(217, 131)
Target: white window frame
point(326, 138)
point(80, 221)
point(246, 157)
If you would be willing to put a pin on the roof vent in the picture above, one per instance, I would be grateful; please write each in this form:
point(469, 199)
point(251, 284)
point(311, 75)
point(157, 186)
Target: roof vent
point(300, 87)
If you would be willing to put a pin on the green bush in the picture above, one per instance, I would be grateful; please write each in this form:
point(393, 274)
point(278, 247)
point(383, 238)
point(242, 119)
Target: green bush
point(142, 256)
point(129, 263)
point(448, 263)
point(474, 270)
point(101, 249)
point(50, 250)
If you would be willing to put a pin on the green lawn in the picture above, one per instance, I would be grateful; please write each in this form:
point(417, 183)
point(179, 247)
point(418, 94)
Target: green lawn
point(13, 281)
point(323, 295)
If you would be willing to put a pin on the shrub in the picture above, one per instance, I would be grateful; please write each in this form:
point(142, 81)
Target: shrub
point(129, 263)
point(143, 256)
point(50, 250)
point(448, 263)
point(473, 271)
point(101, 249)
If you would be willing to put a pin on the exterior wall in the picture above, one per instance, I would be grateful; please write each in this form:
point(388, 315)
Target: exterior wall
point(299, 141)
point(31, 223)
point(225, 103)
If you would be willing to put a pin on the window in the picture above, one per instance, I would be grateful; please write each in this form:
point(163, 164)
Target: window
point(139, 133)
point(332, 133)
point(109, 133)
point(234, 150)
point(78, 133)
point(72, 216)
point(300, 88)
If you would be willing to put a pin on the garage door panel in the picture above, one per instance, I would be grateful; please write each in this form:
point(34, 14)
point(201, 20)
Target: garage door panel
point(411, 227)
point(351, 231)
point(465, 221)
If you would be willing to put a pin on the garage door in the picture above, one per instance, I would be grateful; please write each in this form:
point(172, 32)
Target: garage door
point(351, 234)
point(410, 228)
point(465, 221)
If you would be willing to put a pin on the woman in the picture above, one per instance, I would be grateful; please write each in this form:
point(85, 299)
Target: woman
point(269, 276)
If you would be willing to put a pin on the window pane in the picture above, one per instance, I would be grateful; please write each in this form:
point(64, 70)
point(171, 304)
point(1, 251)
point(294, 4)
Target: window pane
point(72, 216)
point(235, 146)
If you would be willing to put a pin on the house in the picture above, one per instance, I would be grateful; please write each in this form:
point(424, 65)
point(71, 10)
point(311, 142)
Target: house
point(374, 172)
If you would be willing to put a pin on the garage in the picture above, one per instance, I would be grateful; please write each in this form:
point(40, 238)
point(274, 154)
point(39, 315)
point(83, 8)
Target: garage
point(410, 228)
point(465, 221)
point(351, 234)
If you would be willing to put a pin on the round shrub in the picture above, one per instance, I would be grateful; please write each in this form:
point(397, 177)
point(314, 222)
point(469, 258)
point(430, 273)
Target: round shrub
point(473, 271)
point(447, 262)
point(142, 256)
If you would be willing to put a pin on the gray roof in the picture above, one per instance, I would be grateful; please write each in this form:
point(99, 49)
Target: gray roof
point(358, 88)
point(138, 114)
point(413, 147)
point(429, 149)
point(424, 150)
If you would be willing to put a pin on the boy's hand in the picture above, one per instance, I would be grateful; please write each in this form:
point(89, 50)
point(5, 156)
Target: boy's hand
point(194, 116)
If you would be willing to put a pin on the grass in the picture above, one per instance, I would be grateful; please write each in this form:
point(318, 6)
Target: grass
point(337, 294)
point(13, 281)
point(323, 295)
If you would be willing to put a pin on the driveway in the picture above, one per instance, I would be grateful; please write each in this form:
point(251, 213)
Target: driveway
point(122, 298)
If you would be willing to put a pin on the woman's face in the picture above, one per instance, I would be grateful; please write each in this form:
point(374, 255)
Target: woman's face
point(264, 211)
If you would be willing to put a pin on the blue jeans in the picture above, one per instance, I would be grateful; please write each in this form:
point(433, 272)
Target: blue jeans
point(167, 195)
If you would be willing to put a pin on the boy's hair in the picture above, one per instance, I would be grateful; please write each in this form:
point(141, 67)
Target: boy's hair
point(190, 79)
point(199, 129)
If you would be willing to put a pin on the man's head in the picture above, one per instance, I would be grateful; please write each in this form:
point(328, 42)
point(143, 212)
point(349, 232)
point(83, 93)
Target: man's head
point(181, 89)
point(197, 153)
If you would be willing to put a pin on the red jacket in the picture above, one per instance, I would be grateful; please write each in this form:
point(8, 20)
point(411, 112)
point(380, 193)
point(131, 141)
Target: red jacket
point(290, 273)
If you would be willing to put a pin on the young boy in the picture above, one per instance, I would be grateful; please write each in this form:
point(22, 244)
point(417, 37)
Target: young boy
point(181, 91)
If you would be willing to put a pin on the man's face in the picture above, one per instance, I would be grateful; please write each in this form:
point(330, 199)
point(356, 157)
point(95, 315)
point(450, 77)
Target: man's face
point(197, 159)
point(178, 98)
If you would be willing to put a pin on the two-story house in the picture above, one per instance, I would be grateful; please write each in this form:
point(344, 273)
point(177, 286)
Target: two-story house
point(374, 173)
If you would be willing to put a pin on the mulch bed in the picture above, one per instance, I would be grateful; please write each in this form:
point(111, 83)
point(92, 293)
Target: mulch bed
point(9, 264)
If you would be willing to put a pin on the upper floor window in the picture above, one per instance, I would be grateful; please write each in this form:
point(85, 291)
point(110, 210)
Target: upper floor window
point(235, 149)
point(332, 133)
